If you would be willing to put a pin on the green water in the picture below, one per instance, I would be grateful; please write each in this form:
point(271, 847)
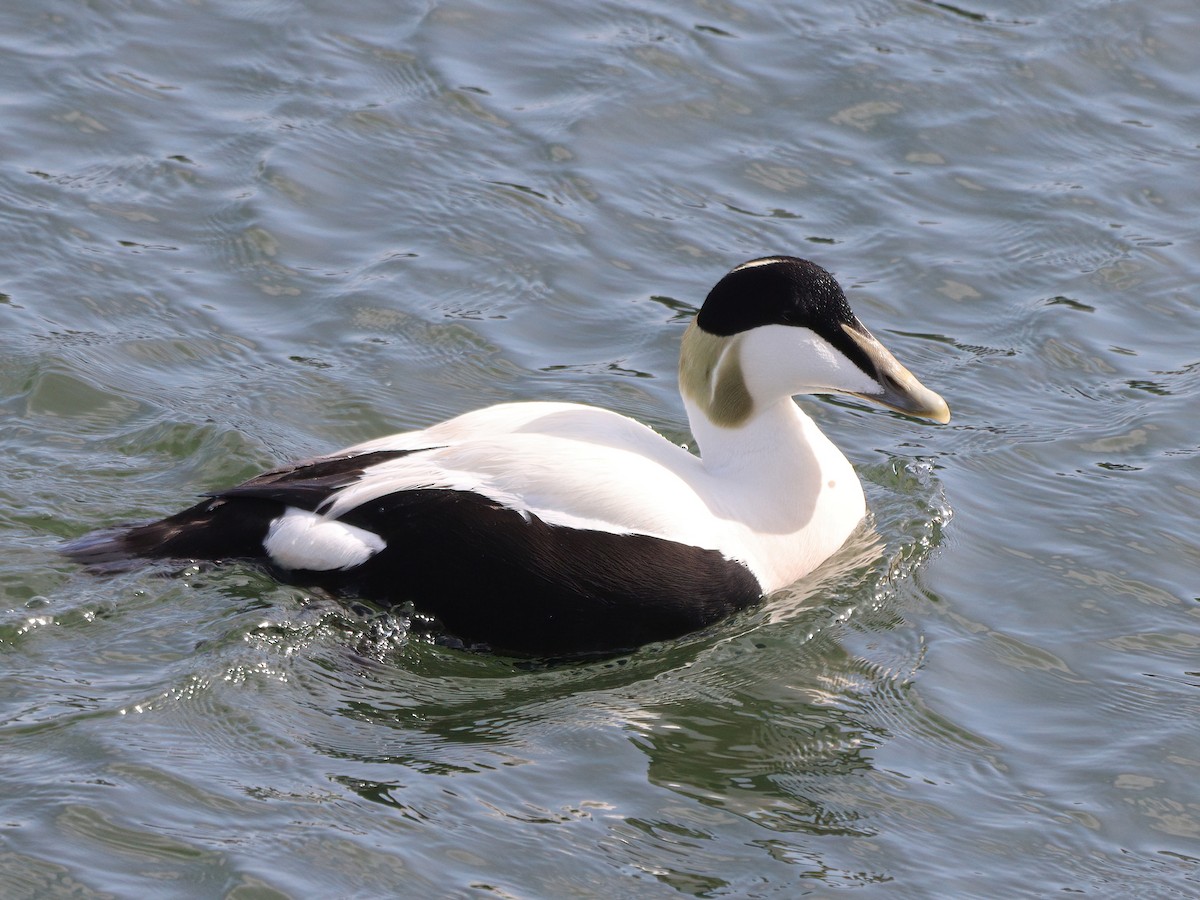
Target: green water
point(237, 233)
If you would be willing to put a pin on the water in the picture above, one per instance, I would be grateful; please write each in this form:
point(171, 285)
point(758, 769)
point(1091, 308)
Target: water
point(237, 233)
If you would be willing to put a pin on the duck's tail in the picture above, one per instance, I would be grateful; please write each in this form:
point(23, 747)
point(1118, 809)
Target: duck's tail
point(103, 551)
point(214, 529)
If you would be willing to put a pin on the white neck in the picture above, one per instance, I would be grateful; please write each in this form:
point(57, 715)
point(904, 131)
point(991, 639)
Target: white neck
point(781, 476)
point(781, 491)
point(779, 436)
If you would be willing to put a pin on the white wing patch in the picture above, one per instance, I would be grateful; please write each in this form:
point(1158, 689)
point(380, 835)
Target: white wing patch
point(304, 540)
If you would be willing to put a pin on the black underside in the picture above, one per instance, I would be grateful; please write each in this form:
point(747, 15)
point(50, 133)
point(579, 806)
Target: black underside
point(489, 574)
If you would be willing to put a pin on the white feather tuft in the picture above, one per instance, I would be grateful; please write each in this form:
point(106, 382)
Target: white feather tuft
point(299, 539)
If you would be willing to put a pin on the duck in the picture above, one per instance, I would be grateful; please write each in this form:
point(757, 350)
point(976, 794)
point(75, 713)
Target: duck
point(559, 528)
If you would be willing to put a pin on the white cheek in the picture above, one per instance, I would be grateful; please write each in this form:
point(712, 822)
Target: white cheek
point(783, 359)
point(824, 354)
point(303, 540)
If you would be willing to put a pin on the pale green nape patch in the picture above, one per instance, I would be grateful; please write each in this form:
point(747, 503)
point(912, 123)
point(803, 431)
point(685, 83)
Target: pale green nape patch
point(710, 375)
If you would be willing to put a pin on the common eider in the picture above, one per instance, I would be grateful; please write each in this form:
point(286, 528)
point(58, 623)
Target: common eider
point(562, 528)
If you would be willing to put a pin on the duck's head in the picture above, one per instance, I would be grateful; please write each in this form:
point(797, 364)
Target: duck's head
point(780, 326)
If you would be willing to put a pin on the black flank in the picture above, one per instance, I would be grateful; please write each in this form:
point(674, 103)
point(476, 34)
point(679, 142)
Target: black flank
point(494, 575)
point(490, 574)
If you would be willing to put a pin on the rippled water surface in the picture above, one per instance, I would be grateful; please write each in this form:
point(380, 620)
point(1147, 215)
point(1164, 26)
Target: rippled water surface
point(240, 232)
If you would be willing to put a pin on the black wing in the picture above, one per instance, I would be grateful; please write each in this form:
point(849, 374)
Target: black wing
point(310, 484)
